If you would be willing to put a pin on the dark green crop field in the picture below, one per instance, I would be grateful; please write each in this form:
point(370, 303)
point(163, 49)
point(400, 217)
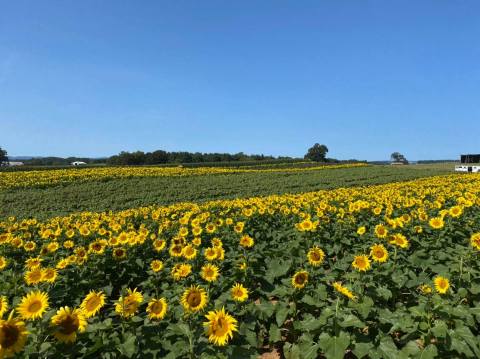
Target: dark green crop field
point(118, 194)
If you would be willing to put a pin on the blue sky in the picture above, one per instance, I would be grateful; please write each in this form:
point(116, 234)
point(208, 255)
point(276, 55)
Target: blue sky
point(366, 78)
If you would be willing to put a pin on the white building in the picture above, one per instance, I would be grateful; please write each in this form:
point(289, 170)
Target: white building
point(15, 163)
point(78, 163)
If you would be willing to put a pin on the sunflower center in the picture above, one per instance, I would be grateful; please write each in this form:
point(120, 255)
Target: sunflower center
point(194, 299)
point(10, 334)
point(378, 253)
point(220, 327)
point(300, 278)
point(69, 325)
point(315, 256)
point(35, 306)
point(92, 303)
point(157, 307)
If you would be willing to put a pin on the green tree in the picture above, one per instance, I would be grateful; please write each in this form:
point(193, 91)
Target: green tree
point(317, 153)
point(3, 157)
point(398, 157)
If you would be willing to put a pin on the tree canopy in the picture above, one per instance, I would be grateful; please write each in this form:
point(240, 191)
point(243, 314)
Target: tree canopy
point(3, 157)
point(317, 153)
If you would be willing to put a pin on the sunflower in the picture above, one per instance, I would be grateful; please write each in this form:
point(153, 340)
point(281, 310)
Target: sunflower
point(441, 284)
point(92, 303)
point(361, 230)
point(239, 292)
point(33, 305)
point(194, 299)
point(197, 241)
point(209, 272)
point(220, 326)
point(425, 289)
point(189, 252)
point(119, 253)
point(181, 270)
point(157, 308)
point(127, 306)
point(156, 265)
point(210, 254)
point(343, 290)
point(13, 335)
point(29, 246)
point(49, 275)
point(3, 305)
point(399, 240)
point(176, 250)
point(315, 256)
point(381, 231)
point(361, 262)
point(436, 223)
point(67, 323)
point(378, 253)
point(246, 241)
point(300, 279)
point(475, 240)
point(159, 244)
point(3, 262)
point(34, 262)
point(34, 276)
point(455, 211)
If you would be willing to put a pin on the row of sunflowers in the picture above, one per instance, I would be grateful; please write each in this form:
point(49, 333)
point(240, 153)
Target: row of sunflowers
point(389, 271)
point(44, 178)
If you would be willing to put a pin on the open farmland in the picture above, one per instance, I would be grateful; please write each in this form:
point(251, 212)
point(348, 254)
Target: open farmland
point(388, 271)
point(43, 194)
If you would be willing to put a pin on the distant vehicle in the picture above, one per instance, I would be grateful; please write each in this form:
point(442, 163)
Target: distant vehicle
point(469, 163)
point(78, 163)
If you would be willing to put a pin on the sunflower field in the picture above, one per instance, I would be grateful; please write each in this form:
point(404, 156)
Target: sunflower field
point(386, 271)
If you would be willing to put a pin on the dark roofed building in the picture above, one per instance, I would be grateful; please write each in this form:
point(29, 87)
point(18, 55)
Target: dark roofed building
point(470, 158)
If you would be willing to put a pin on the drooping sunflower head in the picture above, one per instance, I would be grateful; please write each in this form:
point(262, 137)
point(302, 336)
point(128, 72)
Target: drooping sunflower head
point(220, 326)
point(67, 323)
point(239, 293)
point(441, 284)
point(49, 275)
point(3, 262)
point(33, 305)
point(300, 279)
point(209, 272)
point(343, 290)
point(13, 335)
point(194, 299)
point(361, 230)
point(3, 306)
point(315, 256)
point(92, 303)
point(475, 240)
point(157, 308)
point(361, 263)
point(128, 305)
point(379, 253)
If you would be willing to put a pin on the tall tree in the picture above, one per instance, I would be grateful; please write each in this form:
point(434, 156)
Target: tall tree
point(317, 153)
point(3, 157)
point(398, 157)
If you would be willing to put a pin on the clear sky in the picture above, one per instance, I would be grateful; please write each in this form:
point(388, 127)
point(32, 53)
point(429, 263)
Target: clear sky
point(366, 78)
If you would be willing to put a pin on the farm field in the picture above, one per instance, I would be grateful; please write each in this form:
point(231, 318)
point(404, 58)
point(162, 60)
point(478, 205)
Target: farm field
point(384, 271)
point(42, 195)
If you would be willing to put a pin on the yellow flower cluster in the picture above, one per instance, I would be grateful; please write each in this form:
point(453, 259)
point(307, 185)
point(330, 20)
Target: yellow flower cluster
point(52, 177)
point(204, 256)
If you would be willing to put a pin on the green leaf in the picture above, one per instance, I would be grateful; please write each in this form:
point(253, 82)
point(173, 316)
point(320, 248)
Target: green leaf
point(281, 314)
point(351, 320)
point(388, 348)
point(128, 346)
point(45, 346)
point(334, 347)
point(429, 352)
point(384, 293)
point(291, 351)
point(309, 324)
point(362, 349)
point(274, 334)
point(277, 268)
point(440, 329)
point(466, 336)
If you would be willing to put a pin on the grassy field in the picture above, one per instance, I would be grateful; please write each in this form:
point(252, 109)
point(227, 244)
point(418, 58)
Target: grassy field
point(123, 193)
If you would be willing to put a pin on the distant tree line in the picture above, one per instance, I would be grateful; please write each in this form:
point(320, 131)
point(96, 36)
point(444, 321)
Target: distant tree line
point(60, 161)
point(160, 156)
